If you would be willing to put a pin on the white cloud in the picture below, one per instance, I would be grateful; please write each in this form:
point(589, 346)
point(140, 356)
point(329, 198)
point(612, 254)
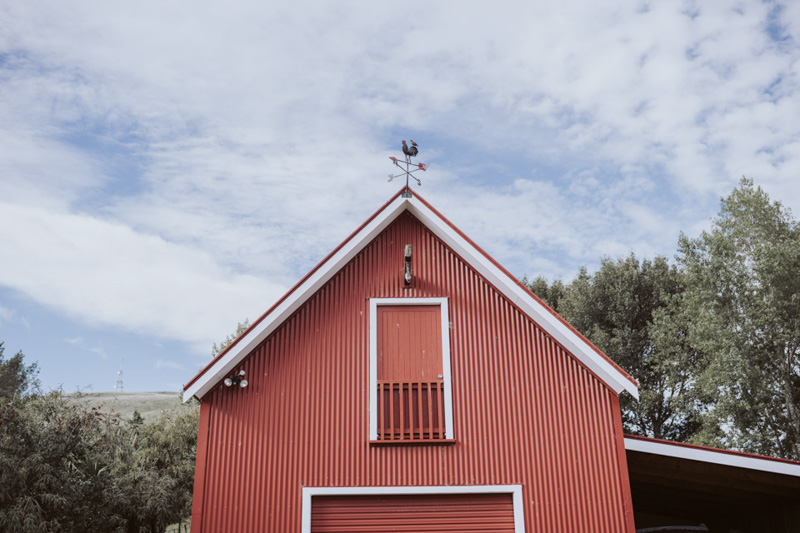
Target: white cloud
point(172, 365)
point(5, 314)
point(100, 351)
point(174, 168)
point(108, 274)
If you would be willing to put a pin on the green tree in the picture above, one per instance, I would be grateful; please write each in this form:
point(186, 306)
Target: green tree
point(54, 469)
point(241, 327)
point(158, 475)
point(742, 304)
point(551, 294)
point(15, 376)
point(626, 310)
point(68, 467)
point(136, 418)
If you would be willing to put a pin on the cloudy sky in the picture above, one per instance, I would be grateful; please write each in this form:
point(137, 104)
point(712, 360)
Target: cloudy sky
point(168, 169)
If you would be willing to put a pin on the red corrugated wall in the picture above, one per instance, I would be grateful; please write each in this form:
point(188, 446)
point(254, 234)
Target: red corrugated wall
point(525, 411)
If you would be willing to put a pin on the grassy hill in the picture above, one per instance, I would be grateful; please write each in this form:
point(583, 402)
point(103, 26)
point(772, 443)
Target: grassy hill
point(149, 404)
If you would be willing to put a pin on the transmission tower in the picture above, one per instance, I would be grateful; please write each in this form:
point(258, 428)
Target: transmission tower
point(118, 387)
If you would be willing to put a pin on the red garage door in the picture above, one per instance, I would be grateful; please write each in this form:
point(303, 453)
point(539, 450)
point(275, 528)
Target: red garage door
point(473, 513)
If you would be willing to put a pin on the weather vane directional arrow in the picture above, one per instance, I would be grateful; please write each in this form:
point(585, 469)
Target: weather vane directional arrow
point(410, 168)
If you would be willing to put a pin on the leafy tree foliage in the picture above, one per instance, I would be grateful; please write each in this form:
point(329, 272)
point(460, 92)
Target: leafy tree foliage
point(217, 349)
point(625, 309)
point(743, 305)
point(65, 467)
point(162, 473)
point(552, 294)
point(715, 342)
point(15, 376)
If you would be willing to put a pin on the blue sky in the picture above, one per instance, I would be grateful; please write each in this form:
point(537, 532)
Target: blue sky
point(168, 169)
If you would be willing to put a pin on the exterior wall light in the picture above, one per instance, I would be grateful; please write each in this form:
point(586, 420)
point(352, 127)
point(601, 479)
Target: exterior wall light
point(237, 379)
point(407, 273)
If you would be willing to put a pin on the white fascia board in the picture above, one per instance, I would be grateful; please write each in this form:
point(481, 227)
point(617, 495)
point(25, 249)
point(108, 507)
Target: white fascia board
point(514, 490)
point(517, 295)
point(270, 323)
point(560, 332)
point(711, 456)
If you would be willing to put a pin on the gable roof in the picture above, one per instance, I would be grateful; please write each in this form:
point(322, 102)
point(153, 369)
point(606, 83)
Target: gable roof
point(575, 343)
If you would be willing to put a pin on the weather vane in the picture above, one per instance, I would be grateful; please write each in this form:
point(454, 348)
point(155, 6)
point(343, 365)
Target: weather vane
point(410, 168)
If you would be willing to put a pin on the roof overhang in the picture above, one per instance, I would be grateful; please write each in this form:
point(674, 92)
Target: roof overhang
point(502, 280)
point(704, 454)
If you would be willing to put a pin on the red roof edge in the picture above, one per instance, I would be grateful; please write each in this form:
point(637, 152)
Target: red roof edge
point(714, 450)
point(527, 290)
point(462, 235)
point(294, 288)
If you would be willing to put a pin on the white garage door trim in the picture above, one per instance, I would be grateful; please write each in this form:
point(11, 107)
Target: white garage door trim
point(514, 490)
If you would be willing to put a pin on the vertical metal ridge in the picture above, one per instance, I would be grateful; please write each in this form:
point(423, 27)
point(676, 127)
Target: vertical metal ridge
point(524, 410)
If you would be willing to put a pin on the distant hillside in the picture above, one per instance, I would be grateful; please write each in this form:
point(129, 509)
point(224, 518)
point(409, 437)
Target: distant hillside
point(149, 404)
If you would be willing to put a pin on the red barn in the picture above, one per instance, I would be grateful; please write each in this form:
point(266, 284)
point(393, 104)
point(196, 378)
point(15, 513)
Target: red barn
point(410, 383)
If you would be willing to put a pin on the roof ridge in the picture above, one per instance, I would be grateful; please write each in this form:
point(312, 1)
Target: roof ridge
point(290, 291)
point(608, 371)
point(527, 289)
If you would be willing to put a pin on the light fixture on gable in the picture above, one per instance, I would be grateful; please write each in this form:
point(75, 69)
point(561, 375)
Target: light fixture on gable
point(407, 275)
point(236, 379)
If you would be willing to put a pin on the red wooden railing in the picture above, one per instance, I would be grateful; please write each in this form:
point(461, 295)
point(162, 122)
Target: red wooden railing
point(410, 410)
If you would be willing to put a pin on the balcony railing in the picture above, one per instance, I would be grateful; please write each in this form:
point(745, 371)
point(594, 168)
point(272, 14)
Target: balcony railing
point(410, 411)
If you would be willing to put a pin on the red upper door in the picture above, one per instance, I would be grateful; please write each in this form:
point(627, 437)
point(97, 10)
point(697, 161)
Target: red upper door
point(409, 343)
point(410, 377)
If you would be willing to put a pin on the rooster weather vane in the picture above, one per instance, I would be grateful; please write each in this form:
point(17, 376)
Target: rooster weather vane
point(407, 167)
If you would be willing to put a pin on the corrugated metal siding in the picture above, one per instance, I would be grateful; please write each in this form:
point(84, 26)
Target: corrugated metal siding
point(476, 513)
point(525, 411)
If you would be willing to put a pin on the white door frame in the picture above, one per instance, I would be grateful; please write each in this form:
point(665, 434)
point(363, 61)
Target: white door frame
point(514, 490)
point(373, 359)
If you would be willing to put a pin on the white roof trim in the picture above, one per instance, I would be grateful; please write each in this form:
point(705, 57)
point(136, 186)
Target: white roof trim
point(522, 299)
point(271, 322)
point(558, 330)
point(712, 456)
